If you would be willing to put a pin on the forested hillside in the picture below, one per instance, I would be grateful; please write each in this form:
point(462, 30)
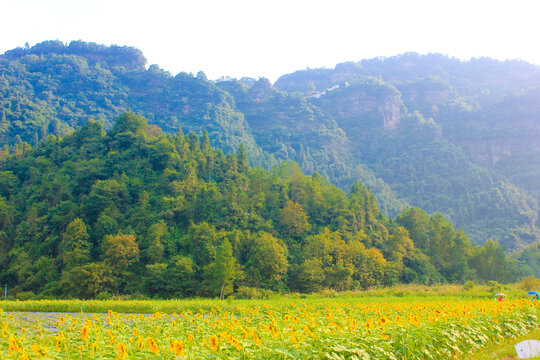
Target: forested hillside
point(460, 137)
point(427, 131)
point(98, 211)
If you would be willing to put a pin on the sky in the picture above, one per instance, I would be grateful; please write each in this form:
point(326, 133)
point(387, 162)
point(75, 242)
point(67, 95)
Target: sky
point(262, 38)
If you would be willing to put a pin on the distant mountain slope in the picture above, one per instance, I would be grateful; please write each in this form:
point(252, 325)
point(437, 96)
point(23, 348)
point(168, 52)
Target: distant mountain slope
point(412, 155)
point(291, 128)
point(481, 164)
point(53, 88)
point(431, 131)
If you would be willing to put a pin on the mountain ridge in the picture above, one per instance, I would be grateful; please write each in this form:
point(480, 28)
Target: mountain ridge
point(391, 123)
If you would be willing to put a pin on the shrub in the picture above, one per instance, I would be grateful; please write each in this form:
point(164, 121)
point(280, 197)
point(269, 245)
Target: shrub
point(469, 285)
point(25, 295)
point(494, 286)
point(530, 283)
point(246, 292)
point(104, 295)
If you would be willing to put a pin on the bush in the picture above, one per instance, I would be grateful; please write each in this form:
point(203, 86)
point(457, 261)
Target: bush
point(246, 292)
point(530, 283)
point(104, 295)
point(494, 286)
point(469, 285)
point(25, 295)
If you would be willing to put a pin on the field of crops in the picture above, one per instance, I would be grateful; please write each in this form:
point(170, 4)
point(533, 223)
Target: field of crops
point(275, 329)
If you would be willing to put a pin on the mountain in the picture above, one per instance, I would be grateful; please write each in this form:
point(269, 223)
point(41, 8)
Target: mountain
point(475, 158)
point(428, 131)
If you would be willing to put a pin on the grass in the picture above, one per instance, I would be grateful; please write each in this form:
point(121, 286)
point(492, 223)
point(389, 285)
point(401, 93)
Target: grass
point(503, 350)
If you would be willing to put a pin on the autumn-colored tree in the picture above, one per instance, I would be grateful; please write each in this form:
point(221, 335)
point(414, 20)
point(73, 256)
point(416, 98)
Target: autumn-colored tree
point(368, 264)
point(121, 251)
point(294, 220)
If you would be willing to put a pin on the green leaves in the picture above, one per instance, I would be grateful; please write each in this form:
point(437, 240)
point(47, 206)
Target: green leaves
point(173, 209)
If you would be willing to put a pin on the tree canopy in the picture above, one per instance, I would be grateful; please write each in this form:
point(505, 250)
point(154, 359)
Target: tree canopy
point(97, 211)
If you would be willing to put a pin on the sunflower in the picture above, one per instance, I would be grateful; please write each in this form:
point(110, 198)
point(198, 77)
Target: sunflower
point(213, 340)
point(13, 344)
point(177, 347)
point(122, 351)
point(84, 332)
point(152, 345)
point(383, 320)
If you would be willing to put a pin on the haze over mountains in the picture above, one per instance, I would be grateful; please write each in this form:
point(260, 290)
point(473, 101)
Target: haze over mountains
point(462, 138)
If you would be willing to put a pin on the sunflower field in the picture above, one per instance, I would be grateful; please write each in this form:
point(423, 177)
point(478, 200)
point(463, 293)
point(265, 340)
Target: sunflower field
point(285, 329)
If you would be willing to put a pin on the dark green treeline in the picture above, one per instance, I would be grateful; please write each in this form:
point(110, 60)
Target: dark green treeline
point(138, 211)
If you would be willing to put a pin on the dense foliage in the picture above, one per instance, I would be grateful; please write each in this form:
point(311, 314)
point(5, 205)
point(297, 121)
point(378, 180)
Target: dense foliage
point(426, 131)
point(134, 210)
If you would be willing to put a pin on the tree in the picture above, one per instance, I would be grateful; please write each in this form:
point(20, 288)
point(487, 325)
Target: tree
point(296, 181)
point(181, 276)
point(294, 220)
point(87, 281)
point(267, 262)
point(418, 269)
point(128, 123)
point(156, 281)
point(242, 158)
point(20, 267)
point(45, 274)
point(489, 261)
point(416, 221)
point(201, 243)
point(530, 258)
point(321, 246)
point(308, 276)
point(121, 251)
point(398, 245)
point(205, 143)
point(339, 276)
point(220, 274)
point(75, 246)
point(202, 76)
point(441, 237)
point(155, 248)
point(369, 264)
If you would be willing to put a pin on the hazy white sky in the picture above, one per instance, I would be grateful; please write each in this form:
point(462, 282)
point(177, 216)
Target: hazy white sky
point(272, 37)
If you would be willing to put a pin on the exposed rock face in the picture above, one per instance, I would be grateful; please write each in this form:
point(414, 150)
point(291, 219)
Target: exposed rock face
point(497, 151)
point(361, 108)
point(356, 105)
point(391, 114)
